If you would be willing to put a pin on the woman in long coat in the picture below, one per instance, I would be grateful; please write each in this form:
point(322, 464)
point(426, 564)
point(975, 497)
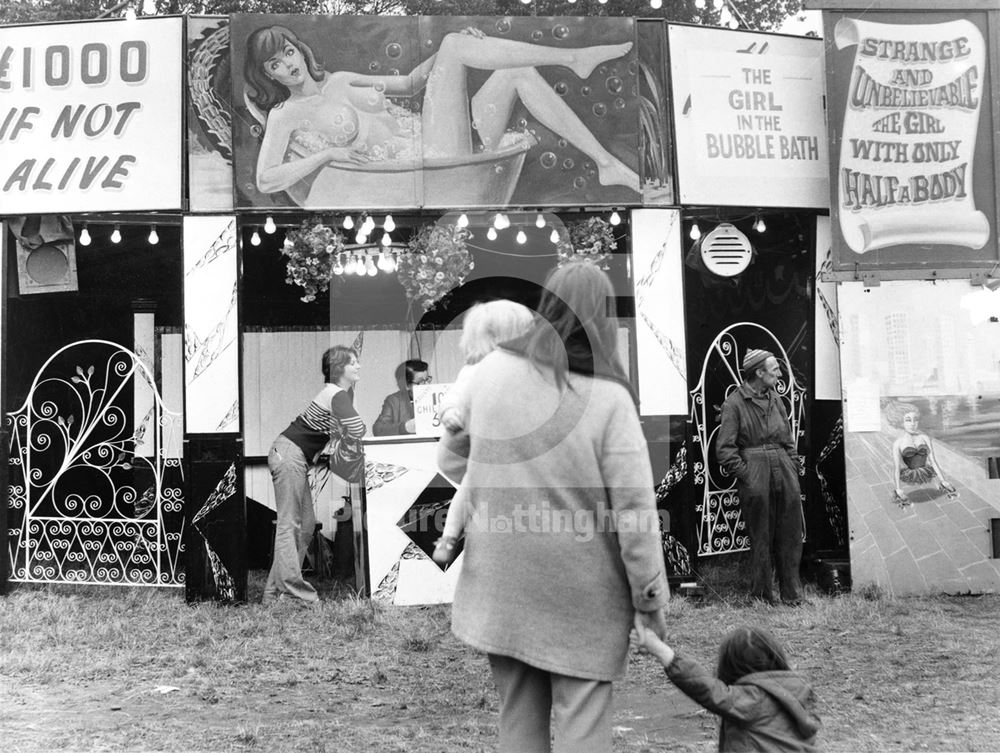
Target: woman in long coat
point(563, 545)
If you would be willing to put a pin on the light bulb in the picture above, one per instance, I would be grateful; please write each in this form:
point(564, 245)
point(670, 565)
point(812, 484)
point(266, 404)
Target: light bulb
point(463, 220)
point(393, 262)
point(116, 235)
point(554, 236)
point(388, 225)
point(386, 239)
point(616, 219)
point(655, 4)
point(349, 265)
point(492, 233)
point(269, 226)
point(526, 2)
point(521, 237)
point(718, 4)
point(255, 239)
point(733, 23)
point(368, 225)
point(760, 227)
point(348, 223)
point(540, 220)
point(360, 238)
point(383, 263)
point(498, 221)
point(695, 233)
point(603, 2)
point(154, 237)
point(506, 221)
point(360, 268)
point(724, 16)
point(84, 236)
point(370, 269)
point(148, 7)
point(130, 14)
point(338, 267)
point(699, 4)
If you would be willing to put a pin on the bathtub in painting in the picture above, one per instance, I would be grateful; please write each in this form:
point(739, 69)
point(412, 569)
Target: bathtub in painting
point(483, 179)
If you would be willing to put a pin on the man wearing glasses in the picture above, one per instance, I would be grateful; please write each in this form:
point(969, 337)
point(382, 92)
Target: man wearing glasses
point(397, 409)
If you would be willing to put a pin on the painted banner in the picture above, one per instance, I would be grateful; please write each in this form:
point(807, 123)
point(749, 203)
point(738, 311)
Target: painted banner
point(656, 146)
point(926, 435)
point(911, 111)
point(749, 117)
point(91, 116)
point(209, 122)
point(348, 112)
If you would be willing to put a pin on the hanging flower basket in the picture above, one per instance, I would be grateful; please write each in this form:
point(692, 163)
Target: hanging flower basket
point(437, 262)
point(312, 250)
point(590, 240)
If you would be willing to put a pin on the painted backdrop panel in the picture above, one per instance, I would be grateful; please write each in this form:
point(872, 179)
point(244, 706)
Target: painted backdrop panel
point(659, 311)
point(91, 117)
point(911, 121)
point(919, 493)
point(434, 111)
point(209, 123)
point(827, 334)
point(748, 111)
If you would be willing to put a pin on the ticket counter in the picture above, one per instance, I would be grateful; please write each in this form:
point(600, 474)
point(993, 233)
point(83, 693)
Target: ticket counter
point(403, 505)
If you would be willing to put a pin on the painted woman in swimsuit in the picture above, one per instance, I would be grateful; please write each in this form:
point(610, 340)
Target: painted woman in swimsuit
point(345, 118)
point(913, 456)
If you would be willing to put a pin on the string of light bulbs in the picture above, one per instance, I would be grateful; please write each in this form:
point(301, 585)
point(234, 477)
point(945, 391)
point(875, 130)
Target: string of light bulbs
point(85, 238)
point(758, 224)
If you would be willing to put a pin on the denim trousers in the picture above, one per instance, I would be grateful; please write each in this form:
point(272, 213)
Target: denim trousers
point(295, 524)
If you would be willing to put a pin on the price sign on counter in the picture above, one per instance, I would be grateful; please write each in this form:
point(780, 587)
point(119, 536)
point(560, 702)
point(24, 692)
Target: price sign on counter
point(426, 408)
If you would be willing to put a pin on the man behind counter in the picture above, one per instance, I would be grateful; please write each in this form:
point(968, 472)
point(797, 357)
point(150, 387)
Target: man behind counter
point(397, 409)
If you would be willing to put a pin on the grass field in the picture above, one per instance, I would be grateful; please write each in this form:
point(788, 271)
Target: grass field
point(137, 670)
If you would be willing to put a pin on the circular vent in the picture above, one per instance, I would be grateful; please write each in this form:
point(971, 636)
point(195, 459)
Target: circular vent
point(726, 251)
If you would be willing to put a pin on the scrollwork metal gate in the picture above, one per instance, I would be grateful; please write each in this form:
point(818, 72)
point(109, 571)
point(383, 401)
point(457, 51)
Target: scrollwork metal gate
point(83, 506)
point(721, 529)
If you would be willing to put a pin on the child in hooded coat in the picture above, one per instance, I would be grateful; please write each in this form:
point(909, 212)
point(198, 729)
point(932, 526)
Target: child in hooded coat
point(762, 703)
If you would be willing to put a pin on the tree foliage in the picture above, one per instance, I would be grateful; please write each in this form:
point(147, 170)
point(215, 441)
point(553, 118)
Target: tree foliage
point(758, 15)
point(762, 15)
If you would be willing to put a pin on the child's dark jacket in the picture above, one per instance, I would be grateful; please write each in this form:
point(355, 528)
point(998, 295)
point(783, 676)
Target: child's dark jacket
point(764, 711)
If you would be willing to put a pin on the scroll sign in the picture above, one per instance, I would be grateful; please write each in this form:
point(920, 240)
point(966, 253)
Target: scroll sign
point(906, 156)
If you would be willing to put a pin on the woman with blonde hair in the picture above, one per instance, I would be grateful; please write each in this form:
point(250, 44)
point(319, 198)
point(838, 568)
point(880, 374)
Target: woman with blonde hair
point(563, 545)
point(486, 325)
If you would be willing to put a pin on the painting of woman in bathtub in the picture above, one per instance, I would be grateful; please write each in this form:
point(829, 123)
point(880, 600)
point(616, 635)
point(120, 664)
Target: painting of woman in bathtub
point(914, 463)
point(443, 134)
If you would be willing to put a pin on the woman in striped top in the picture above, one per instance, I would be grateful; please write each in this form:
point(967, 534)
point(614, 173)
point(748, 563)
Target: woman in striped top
point(293, 452)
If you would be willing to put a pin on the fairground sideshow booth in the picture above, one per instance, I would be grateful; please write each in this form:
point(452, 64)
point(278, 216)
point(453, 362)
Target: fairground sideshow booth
point(191, 219)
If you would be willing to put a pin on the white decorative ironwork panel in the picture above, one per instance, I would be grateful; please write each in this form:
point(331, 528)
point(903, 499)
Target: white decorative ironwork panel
point(84, 507)
point(721, 529)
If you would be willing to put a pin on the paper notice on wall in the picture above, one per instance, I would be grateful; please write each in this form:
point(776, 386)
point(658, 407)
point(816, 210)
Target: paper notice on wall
point(862, 410)
point(909, 134)
point(427, 408)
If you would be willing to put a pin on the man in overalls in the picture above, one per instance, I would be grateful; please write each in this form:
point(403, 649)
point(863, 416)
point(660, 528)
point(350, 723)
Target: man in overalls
point(755, 445)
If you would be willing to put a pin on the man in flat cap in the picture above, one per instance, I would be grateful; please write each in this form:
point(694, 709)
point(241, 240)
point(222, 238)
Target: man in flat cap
point(755, 445)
